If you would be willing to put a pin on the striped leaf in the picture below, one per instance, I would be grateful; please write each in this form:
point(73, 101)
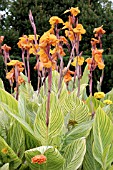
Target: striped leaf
point(103, 136)
point(1, 84)
point(8, 155)
point(8, 99)
point(17, 139)
point(93, 103)
point(79, 131)
point(54, 159)
point(5, 167)
point(56, 121)
point(78, 111)
point(89, 162)
point(22, 122)
point(74, 154)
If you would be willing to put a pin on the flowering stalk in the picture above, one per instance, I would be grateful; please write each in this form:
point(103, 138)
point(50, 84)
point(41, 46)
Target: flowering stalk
point(23, 59)
point(35, 38)
point(28, 67)
point(16, 79)
point(49, 93)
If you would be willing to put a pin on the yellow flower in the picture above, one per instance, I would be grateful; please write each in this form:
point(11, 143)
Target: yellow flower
point(15, 62)
point(99, 95)
point(78, 59)
point(107, 102)
point(74, 11)
point(55, 20)
point(32, 37)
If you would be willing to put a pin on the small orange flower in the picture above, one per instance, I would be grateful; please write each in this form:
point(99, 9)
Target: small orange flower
point(6, 48)
point(39, 66)
point(68, 76)
point(74, 11)
point(55, 20)
point(4, 150)
point(70, 35)
point(20, 80)
point(40, 159)
point(99, 30)
point(94, 41)
point(1, 39)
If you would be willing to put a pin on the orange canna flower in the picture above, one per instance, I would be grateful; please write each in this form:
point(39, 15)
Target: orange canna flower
point(48, 39)
point(74, 11)
point(10, 75)
point(98, 57)
point(34, 49)
point(94, 41)
point(15, 62)
point(79, 29)
point(6, 48)
point(63, 39)
point(70, 35)
point(24, 43)
point(89, 62)
point(32, 37)
point(20, 80)
point(55, 20)
point(99, 30)
point(68, 76)
point(40, 159)
point(39, 66)
point(67, 25)
point(1, 39)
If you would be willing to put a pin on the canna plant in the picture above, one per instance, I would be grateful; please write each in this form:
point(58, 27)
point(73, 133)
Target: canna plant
point(57, 127)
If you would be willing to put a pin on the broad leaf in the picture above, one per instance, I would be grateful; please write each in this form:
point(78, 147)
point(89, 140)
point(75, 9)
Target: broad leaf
point(1, 84)
point(74, 154)
point(54, 159)
point(8, 99)
point(103, 136)
point(89, 162)
point(78, 111)
point(56, 121)
point(8, 155)
point(79, 131)
point(22, 122)
point(5, 167)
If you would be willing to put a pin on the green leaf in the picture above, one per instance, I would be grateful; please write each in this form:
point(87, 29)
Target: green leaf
point(85, 76)
point(5, 167)
point(8, 99)
point(103, 136)
point(79, 131)
point(93, 103)
point(74, 154)
point(54, 159)
point(17, 139)
point(56, 121)
point(22, 122)
point(1, 84)
point(89, 162)
point(8, 155)
point(78, 111)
